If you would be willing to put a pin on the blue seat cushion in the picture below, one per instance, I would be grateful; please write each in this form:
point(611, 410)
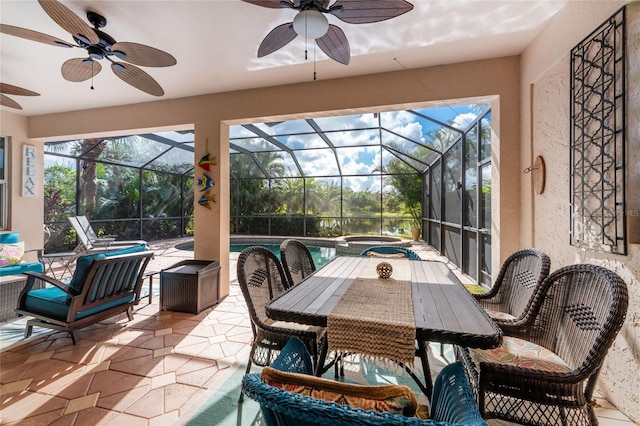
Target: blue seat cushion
point(20, 268)
point(9, 238)
point(126, 250)
point(53, 302)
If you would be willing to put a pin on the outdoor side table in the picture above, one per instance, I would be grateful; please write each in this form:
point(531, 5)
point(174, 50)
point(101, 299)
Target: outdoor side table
point(64, 258)
point(189, 286)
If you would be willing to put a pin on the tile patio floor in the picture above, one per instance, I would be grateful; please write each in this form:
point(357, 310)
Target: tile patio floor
point(150, 371)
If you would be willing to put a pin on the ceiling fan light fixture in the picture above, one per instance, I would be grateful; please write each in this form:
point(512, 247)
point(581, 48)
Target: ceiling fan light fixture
point(83, 39)
point(95, 53)
point(119, 54)
point(310, 23)
point(118, 67)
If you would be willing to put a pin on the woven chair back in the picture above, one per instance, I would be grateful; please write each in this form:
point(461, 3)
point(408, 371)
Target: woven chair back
point(520, 275)
point(577, 314)
point(297, 261)
point(261, 278)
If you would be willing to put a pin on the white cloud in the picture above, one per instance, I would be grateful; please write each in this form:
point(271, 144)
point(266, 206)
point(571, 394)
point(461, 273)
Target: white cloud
point(356, 158)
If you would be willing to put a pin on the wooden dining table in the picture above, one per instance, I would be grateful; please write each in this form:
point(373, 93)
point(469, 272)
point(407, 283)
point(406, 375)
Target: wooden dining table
point(443, 310)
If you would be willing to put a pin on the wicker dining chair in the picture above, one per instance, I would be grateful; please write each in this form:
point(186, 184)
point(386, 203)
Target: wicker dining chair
point(515, 286)
point(297, 261)
point(390, 250)
point(451, 404)
point(261, 279)
point(546, 369)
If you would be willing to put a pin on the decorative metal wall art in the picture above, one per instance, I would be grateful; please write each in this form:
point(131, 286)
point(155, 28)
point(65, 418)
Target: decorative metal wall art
point(597, 144)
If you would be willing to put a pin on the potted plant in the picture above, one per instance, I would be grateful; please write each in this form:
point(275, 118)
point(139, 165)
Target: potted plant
point(416, 218)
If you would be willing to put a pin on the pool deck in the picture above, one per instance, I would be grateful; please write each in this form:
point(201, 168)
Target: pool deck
point(155, 370)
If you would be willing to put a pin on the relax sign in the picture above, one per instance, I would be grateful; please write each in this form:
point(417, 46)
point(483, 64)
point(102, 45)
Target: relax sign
point(29, 171)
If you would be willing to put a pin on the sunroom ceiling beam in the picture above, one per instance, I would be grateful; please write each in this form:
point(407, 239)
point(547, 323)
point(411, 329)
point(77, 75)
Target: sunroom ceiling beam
point(251, 155)
point(275, 142)
point(326, 140)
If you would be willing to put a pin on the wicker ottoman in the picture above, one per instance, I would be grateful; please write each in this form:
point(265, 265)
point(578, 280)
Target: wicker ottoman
point(189, 286)
point(10, 288)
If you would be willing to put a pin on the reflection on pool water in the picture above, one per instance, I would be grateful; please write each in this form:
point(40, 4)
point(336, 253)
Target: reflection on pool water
point(321, 255)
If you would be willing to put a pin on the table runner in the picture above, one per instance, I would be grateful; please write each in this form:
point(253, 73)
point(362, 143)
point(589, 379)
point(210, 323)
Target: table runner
point(375, 316)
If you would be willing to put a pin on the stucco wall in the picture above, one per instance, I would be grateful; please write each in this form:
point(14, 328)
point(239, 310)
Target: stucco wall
point(545, 131)
point(30, 228)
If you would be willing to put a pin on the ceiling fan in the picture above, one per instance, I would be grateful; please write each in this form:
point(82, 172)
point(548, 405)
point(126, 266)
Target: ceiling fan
point(13, 90)
point(311, 22)
point(99, 45)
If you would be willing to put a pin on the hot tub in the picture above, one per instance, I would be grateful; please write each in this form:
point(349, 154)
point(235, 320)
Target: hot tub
point(353, 245)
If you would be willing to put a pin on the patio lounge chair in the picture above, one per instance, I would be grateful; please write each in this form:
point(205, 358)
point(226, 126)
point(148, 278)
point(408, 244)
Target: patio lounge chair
point(296, 261)
point(452, 401)
point(546, 370)
point(90, 241)
point(390, 251)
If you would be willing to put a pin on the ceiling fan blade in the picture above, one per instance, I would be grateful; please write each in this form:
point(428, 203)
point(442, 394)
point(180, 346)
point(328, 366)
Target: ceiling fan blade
point(33, 35)
point(137, 78)
point(68, 20)
point(7, 101)
point(145, 56)
point(364, 12)
point(80, 69)
point(335, 44)
point(279, 37)
point(271, 4)
point(10, 89)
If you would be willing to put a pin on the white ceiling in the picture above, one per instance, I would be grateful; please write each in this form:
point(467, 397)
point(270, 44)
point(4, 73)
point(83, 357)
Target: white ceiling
point(215, 44)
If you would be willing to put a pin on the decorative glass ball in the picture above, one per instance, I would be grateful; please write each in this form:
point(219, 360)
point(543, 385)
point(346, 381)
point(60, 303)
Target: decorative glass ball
point(384, 270)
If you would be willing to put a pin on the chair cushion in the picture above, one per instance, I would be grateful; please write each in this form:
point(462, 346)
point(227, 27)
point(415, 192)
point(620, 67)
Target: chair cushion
point(520, 353)
point(50, 301)
point(54, 303)
point(21, 268)
point(9, 238)
point(295, 326)
point(11, 253)
point(475, 288)
point(397, 399)
point(127, 250)
point(83, 264)
point(500, 315)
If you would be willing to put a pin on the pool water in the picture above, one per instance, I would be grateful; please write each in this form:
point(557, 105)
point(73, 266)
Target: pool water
point(320, 255)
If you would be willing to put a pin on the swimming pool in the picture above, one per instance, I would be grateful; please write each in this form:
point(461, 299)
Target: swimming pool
point(321, 255)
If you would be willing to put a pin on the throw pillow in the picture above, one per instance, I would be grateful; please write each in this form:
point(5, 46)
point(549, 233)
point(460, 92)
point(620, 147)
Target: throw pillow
point(11, 254)
point(396, 399)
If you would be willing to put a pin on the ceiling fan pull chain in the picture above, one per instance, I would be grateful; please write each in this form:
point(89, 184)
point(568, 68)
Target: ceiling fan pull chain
point(314, 60)
point(306, 46)
point(92, 61)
